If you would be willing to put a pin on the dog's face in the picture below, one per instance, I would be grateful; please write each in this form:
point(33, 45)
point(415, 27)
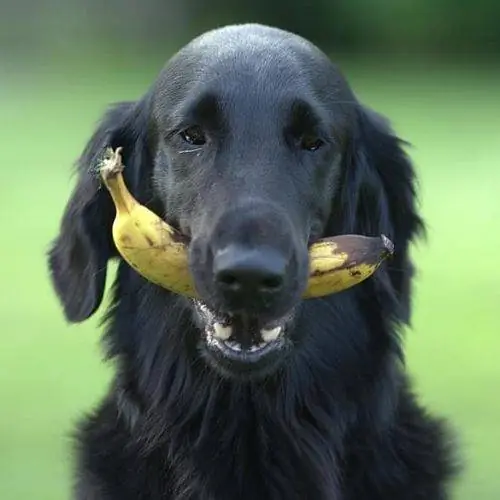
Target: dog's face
point(247, 144)
point(248, 157)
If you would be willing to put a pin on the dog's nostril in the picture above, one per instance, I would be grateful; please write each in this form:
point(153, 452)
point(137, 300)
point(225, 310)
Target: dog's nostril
point(272, 283)
point(228, 280)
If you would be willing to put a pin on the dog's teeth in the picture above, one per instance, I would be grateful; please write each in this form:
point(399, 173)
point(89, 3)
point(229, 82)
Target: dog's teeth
point(222, 332)
point(270, 335)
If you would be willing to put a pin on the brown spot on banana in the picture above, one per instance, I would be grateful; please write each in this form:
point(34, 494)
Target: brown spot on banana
point(125, 239)
point(336, 263)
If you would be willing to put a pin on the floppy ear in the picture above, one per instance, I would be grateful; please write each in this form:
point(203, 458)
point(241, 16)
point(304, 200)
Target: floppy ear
point(79, 255)
point(379, 197)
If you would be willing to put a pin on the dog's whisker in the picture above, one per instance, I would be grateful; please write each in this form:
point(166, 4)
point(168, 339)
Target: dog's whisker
point(186, 151)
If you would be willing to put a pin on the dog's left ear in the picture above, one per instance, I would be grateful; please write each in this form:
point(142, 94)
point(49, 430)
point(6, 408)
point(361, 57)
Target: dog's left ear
point(78, 256)
point(378, 196)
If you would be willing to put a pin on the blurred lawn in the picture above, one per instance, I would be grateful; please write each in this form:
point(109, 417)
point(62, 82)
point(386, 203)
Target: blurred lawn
point(51, 372)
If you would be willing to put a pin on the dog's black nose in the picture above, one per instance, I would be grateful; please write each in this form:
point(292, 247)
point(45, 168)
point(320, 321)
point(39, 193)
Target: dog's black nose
point(249, 276)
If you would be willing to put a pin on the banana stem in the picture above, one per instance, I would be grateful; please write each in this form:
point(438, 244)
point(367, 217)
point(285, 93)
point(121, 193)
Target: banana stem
point(111, 172)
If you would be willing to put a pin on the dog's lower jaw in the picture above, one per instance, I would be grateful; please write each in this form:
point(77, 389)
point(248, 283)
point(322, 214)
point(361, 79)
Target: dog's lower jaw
point(249, 355)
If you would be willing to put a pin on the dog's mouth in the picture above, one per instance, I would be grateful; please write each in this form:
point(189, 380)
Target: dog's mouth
point(240, 343)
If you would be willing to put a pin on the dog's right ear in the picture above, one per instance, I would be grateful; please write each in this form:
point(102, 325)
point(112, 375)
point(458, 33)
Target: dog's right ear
point(79, 255)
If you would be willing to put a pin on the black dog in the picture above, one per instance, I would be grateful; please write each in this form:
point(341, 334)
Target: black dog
point(253, 145)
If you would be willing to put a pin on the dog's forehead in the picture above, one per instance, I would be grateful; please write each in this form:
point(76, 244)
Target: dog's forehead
point(242, 58)
point(249, 47)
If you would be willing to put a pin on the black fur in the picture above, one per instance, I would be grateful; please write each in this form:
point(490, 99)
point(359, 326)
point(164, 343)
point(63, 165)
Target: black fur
point(337, 420)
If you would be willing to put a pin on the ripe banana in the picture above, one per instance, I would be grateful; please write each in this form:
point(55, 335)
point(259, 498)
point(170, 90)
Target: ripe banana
point(152, 247)
point(159, 252)
point(342, 261)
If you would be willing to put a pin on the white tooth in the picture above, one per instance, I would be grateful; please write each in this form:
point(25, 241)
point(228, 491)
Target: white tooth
point(222, 332)
point(270, 335)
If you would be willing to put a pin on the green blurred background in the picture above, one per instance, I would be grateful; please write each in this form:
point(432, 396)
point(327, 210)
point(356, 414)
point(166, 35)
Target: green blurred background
point(432, 66)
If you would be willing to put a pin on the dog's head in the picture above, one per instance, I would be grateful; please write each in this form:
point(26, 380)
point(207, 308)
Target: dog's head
point(253, 145)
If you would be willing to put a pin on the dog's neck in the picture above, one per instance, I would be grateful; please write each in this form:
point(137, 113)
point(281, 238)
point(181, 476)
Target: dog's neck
point(238, 433)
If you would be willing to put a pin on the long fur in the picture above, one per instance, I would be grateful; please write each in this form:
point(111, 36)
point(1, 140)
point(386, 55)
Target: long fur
point(338, 422)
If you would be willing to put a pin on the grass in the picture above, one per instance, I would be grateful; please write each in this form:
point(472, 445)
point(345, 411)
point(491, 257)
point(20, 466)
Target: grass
point(51, 372)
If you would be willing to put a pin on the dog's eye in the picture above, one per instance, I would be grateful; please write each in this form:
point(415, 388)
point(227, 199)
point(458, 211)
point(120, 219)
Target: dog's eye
point(194, 135)
point(310, 142)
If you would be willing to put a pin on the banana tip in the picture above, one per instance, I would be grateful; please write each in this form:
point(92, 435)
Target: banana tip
point(111, 164)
